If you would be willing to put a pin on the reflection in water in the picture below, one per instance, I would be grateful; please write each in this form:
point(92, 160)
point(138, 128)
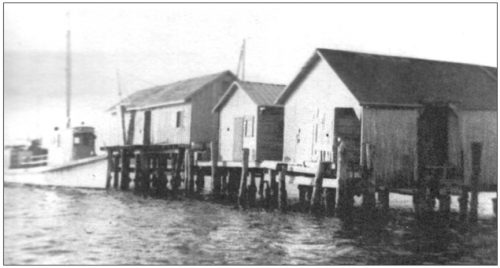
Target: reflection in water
point(76, 226)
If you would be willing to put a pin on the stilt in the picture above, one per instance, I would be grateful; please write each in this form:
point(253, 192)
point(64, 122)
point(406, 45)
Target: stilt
point(215, 181)
point(146, 173)
point(330, 200)
point(261, 190)
point(225, 184)
point(309, 192)
point(476, 149)
point(243, 193)
point(283, 197)
point(302, 197)
point(162, 176)
point(188, 176)
point(345, 202)
point(252, 190)
point(125, 171)
point(138, 173)
point(316, 204)
point(273, 202)
point(444, 195)
point(384, 197)
point(368, 176)
point(109, 168)
point(200, 181)
point(176, 177)
point(116, 170)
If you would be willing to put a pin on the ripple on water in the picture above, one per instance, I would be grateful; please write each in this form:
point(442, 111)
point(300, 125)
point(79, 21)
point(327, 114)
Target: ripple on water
point(74, 226)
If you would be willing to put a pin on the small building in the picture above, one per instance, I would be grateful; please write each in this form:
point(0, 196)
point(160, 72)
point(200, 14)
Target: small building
point(416, 113)
point(177, 113)
point(250, 119)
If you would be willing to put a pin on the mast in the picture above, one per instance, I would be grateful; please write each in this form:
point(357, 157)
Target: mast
point(240, 70)
point(68, 74)
point(122, 108)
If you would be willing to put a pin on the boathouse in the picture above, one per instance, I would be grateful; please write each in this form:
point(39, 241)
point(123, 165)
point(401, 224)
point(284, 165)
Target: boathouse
point(177, 113)
point(249, 119)
point(415, 113)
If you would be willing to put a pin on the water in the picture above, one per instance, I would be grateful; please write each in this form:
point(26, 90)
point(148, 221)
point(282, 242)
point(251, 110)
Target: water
point(77, 226)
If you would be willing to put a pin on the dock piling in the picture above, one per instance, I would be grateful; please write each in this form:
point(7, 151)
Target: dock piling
point(316, 204)
point(243, 193)
point(109, 168)
point(368, 176)
point(215, 181)
point(476, 149)
point(252, 190)
point(283, 197)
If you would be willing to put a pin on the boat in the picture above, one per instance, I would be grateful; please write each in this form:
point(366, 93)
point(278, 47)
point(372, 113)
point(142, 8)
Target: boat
point(70, 159)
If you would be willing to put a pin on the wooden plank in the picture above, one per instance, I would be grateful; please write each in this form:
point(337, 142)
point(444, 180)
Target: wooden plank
point(242, 196)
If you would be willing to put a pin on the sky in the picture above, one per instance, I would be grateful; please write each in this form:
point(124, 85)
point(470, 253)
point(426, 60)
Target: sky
point(136, 46)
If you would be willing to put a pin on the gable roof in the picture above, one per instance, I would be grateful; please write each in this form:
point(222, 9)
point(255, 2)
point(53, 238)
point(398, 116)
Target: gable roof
point(174, 93)
point(260, 93)
point(388, 80)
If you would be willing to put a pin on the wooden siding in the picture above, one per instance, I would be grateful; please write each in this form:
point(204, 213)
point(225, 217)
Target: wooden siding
point(163, 125)
point(311, 107)
point(270, 133)
point(393, 133)
point(239, 105)
point(139, 127)
point(481, 126)
point(205, 124)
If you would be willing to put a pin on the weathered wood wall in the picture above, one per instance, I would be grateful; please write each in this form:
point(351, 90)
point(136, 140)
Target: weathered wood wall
point(312, 104)
point(270, 133)
point(205, 124)
point(393, 132)
point(163, 124)
point(481, 126)
point(238, 105)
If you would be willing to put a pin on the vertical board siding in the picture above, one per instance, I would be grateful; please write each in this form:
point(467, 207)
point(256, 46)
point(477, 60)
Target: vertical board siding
point(270, 133)
point(238, 105)
point(394, 135)
point(481, 126)
point(309, 112)
point(139, 127)
point(163, 125)
point(205, 124)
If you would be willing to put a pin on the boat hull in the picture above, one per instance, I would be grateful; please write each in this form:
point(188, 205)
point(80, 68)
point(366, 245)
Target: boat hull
point(84, 173)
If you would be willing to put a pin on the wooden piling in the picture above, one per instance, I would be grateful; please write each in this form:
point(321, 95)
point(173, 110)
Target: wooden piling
point(330, 201)
point(176, 178)
point(261, 189)
point(252, 190)
point(283, 197)
point(273, 187)
point(200, 180)
point(188, 175)
point(302, 197)
point(109, 168)
point(463, 200)
point(162, 176)
point(146, 173)
point(444, 195)
point(345, 199)
point(125, 171)
point(138, 173)
point(116, 169)
point(224, 178)
point(243, 193)
point(368, 176)
point(215, 181)
point(476, 149)
point(316, 204)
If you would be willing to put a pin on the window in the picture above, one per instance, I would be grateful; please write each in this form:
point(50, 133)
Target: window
point(77, 140)
point(248, 126)
point(178, 119)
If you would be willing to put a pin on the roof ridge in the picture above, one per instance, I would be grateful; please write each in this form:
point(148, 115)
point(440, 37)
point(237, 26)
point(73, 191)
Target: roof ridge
point(262, 83)
point(401, 57)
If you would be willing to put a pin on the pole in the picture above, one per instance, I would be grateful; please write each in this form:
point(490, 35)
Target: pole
point(68, 73)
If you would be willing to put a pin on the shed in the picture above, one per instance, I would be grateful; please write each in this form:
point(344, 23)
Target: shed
point(176, 113)
point(416, 113)
point(250, 119)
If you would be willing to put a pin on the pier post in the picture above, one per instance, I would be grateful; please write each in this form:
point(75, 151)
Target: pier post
point(116, 170)
point(187, 172)
point(252, 190)
point(444, 195)
point(138, 173)
point(476, 149)
point(176, 178)
point(224, 184)
point(234, 184)
point(215, 179)
point(345, 202)
point(200, 181)
point(316, 204)
point(367, 154)
point(302, 197)
point(109, 168)
point(384, 197)
point(261, 189)
point(330, 201)
point(162, 177)
point(283, 197)
point(273, 202)
point(125, 171)
point(146, 173)
point(243, 194)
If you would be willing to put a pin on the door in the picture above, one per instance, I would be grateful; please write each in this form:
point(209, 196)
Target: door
point(238, 139)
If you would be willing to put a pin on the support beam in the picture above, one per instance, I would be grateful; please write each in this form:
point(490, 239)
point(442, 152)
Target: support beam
point(283, 197)
point(109, 168)
point(125, 171)
point(476, 149)
point(368, 176)
point(243, 193)
point(316, 204)
point(252, 190)
point(216, 187)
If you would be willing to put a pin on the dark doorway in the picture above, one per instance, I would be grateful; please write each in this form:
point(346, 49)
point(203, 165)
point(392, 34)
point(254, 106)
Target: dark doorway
point(433, 136)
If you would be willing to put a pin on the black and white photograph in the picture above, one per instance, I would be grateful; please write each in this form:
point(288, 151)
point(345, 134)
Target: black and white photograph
point(247, 133)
